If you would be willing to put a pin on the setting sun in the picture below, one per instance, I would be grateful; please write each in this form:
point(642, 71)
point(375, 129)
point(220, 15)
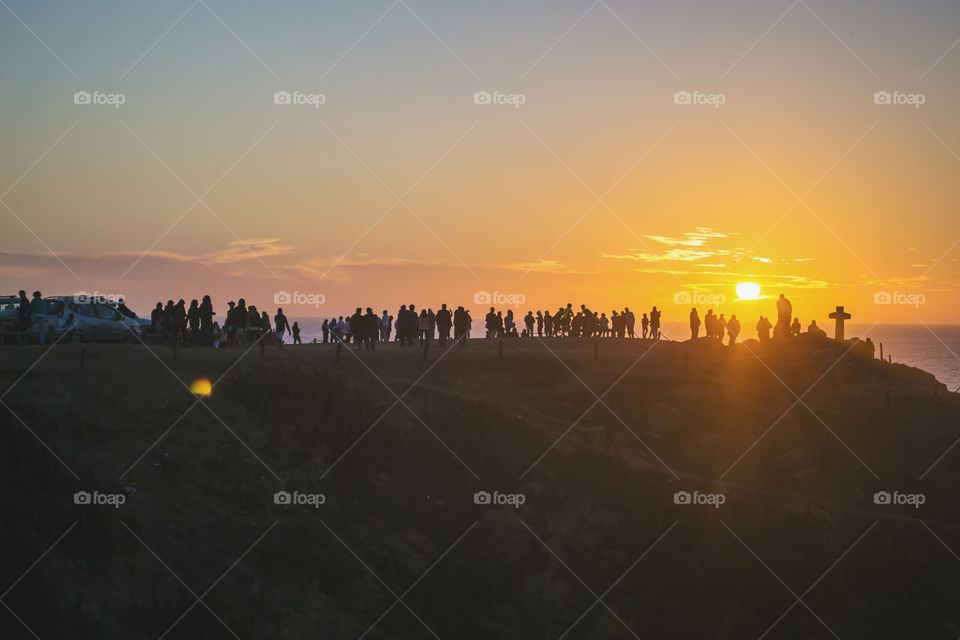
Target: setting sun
point(748, 291)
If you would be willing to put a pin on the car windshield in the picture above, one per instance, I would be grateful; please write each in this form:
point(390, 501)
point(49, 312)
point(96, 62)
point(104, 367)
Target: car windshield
point(106, 312)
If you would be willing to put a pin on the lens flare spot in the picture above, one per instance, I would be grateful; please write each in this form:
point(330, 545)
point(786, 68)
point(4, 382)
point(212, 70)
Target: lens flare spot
point(202, 388)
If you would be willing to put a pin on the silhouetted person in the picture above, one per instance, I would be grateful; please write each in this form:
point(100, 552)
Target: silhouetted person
point(655, 323)
point(795, 327)
point(23, 311)
point(694, 324)
point(357, 327)
point(710, 323)
point(166, 321)
point(295, 330)
point(733, 329)
point(784, 313)
point(491, 324)
point(645, 325)
point(193, 321)
point(265, 326)
point(325, 331)
point(206, 320)
point(371, 329)
point(528, 322)
point(816, 332)
point(460, 325)
point(156, 319)
point(386, 326)
point(423, 324)
point(282, 325)
point(444, 320)
point(180, 319)
point(631, 321)
point(540, 323)
point(763, 329)
point(38, 318)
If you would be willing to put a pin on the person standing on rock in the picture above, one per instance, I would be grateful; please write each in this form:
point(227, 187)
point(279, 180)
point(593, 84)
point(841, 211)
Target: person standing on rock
point(784, 313)
point(763, 329)
point(655, 324)
point(733, 329)
point(694, 324)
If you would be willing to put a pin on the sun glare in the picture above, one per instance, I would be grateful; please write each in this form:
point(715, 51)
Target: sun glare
point(748, 291)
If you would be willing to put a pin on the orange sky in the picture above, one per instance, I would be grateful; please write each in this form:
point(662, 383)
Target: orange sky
point(602, 187)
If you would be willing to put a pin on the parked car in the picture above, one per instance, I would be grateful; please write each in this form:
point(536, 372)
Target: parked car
point(95, 321)
point(9, 314)
point(146, 326)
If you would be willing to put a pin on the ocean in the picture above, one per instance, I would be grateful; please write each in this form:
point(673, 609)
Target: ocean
point(933, 348)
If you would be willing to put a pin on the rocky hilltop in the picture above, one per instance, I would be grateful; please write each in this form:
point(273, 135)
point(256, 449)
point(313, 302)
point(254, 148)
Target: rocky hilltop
point(558, 489)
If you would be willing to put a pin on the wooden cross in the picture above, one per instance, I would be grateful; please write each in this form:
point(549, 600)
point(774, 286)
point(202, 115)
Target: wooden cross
point(839, 315)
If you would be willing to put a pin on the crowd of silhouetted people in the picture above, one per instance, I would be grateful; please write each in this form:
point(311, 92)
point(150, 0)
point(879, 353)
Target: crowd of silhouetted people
point(245, 324)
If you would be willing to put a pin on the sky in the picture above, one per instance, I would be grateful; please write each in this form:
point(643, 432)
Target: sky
point(533, 153)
